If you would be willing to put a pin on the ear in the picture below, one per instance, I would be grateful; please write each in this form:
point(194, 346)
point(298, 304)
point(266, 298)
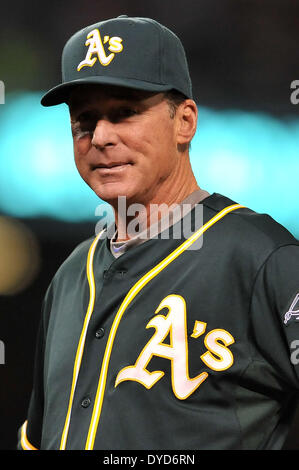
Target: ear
point(186, 122)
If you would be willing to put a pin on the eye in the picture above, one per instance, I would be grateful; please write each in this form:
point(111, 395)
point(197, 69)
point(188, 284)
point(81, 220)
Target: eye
point(84, 124)
point(123, 113)
point(128, 112)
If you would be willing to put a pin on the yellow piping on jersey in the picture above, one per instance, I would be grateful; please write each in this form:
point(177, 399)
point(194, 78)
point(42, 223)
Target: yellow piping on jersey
point(127, 300)
point(80, 348)
point(24, 440)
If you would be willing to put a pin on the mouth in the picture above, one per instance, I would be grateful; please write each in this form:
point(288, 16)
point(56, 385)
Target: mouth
point(112, 167)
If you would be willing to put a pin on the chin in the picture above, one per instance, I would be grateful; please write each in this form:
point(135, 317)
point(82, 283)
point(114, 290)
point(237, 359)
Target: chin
point(112, 191)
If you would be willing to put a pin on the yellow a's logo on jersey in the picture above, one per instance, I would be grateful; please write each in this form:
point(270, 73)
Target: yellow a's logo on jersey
point(217, 357)
point(96, 49)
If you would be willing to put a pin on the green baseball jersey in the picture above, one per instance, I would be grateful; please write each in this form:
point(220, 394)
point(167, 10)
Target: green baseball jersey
point(170, 347)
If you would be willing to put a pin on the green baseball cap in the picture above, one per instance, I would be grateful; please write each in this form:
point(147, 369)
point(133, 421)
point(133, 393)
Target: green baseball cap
point(137, 53)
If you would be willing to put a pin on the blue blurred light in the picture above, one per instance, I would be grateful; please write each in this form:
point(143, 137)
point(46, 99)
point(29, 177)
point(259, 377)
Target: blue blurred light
point(38, 176)
point(251, 158)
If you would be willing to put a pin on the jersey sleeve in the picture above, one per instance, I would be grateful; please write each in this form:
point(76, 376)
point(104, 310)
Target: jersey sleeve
point(30, 433)
point(274, 313)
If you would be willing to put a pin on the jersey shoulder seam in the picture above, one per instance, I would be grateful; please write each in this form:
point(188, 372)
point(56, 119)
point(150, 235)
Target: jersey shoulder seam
point(269, 255)
point(245, 214)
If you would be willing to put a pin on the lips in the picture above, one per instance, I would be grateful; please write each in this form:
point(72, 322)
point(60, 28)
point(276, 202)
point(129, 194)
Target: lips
point(111, 165)
point(111, 168)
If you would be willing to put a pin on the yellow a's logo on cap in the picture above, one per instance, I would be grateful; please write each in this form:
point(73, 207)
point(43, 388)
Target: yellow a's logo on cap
point(96, 46)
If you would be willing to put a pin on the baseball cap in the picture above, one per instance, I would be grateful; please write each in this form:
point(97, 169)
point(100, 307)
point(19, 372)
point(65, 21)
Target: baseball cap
point(136, 52)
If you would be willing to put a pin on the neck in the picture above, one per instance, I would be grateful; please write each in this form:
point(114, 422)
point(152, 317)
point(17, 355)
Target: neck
point(132, 216)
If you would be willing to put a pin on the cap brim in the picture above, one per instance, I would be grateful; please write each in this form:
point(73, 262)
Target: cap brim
point(60, 93)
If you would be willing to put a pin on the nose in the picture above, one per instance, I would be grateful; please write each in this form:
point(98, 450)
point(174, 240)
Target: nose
point(104, 134)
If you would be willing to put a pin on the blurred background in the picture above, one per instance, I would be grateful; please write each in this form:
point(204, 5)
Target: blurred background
point(243, 58)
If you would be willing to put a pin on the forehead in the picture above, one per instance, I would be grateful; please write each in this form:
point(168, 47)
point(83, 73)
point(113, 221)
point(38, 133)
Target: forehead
point(90, 94)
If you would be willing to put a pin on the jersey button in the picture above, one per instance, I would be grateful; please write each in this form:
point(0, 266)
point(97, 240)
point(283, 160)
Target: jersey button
point(121, 272)
point(85, 402)
point(106, 274)
point(100, 333)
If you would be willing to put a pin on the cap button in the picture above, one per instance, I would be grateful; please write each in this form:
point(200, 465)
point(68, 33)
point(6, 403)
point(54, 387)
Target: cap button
point(122, 16)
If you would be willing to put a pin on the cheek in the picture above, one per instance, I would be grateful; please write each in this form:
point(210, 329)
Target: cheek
point(81, 166)
point(154, 140)
point(81, 148)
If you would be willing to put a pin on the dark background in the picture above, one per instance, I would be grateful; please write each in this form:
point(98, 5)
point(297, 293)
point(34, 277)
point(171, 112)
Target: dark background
point(242, 55)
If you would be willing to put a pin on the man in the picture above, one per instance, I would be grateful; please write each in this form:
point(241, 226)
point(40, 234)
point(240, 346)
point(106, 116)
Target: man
point(150, 341)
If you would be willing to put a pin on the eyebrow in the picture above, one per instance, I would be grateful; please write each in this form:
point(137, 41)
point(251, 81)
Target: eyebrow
point(129, 93)
point(89, 112)
point(85, 114)
point(114, 93)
